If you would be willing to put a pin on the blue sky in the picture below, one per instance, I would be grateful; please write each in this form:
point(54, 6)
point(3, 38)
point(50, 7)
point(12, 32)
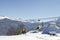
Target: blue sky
point(30, 8)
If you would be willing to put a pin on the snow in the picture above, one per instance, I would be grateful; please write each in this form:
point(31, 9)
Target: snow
point(2, 17)
point(8, 24)
point(30, 36)
point(48, 26)
point(31, 26)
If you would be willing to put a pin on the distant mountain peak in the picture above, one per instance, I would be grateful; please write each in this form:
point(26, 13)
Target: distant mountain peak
point(2, 17)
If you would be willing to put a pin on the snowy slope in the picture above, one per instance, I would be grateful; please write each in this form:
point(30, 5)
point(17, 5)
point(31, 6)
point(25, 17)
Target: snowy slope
point(2, 17)
point(30, 36)
point(10, 27)
point(31, 26)
point(51, 26)
point(7, 24)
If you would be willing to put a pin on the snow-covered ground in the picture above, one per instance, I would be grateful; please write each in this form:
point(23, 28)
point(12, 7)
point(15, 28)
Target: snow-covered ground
point(30, 36)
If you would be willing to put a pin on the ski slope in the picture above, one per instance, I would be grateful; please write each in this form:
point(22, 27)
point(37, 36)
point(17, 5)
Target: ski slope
point(30, 36)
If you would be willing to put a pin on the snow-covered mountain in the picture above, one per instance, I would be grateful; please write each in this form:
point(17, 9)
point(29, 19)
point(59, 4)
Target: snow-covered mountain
point(51, 26)
point(48, 26)
point(12, 26)
point(2, 17)
point(9, 26)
